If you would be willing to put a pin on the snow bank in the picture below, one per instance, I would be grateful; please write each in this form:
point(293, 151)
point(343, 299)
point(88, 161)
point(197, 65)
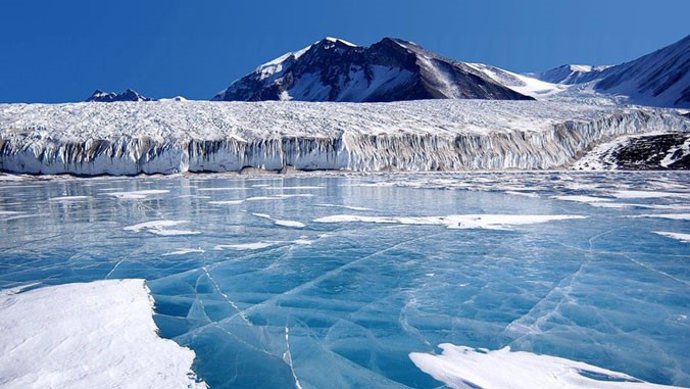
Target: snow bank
point(94, 335)
point(468, 368)
point(168, 137)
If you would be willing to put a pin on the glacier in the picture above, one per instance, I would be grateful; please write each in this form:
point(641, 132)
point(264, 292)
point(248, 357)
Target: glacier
point(129, 138)
point(383, 279)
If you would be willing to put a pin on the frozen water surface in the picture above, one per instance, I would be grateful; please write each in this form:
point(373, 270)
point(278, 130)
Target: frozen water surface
point(355, 281)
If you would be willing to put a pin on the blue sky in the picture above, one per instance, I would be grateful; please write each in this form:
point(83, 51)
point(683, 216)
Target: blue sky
point(54, 51)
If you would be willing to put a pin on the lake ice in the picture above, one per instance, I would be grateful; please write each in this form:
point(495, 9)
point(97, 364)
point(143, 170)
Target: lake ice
point(323, 281)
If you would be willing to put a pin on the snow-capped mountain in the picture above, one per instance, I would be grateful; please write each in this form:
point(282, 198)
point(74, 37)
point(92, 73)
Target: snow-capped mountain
point(571, 74)
point(109, 97)
point(390, 70)
point(661, 78)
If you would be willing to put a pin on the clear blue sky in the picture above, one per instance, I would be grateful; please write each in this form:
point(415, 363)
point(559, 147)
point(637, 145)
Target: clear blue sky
point(54, 51)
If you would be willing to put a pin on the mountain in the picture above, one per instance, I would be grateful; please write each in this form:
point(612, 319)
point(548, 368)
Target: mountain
point(661, 78)
point(109, 97)
point(390, 70)
point(571, 74)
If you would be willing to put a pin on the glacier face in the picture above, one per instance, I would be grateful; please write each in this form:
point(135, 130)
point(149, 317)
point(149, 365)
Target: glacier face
point(168, 137)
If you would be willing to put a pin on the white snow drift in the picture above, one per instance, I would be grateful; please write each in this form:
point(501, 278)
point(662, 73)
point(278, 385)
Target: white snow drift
point(168, 137)
point(93, 335)
point(462, 367)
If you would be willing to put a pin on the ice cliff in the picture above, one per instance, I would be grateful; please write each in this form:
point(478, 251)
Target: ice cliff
point(127, 138)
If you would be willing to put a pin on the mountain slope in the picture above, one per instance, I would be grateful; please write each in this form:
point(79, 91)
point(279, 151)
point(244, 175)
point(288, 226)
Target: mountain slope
point(520, 83)
point(661, 78)
point(390, 70)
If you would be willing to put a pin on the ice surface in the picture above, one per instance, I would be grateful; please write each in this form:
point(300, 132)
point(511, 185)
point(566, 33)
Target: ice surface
point(356, 298)
point(92, 335)
point(466, 368)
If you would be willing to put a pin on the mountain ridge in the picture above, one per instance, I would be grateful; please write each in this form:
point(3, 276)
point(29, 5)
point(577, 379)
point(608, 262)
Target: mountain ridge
point(99, 96)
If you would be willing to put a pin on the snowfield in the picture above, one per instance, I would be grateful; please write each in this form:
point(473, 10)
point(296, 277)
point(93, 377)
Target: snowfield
point(93, 335)
point(168, 136)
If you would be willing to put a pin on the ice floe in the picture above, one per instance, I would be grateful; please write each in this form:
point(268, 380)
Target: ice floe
point(463, 367)
point(281, 222)
point(523, 194)
point(10, 213)
point(641, 194)
point(672, 216)
point(581, 198)
point(137, 195)
point(70, 198)
point(220, 189)
point(226, 202)
point(159, 227)
point(675, 235)
point(495, 222)
point(289, 223)
point(245, 246)
point(184, 251)
point(350, 207)
point(92, 335)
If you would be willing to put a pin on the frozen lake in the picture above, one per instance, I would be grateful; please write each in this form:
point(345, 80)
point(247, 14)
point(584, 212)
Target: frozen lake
point(332, 281)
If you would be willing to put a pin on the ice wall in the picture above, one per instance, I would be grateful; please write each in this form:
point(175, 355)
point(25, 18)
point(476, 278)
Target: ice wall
point(170, 137)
